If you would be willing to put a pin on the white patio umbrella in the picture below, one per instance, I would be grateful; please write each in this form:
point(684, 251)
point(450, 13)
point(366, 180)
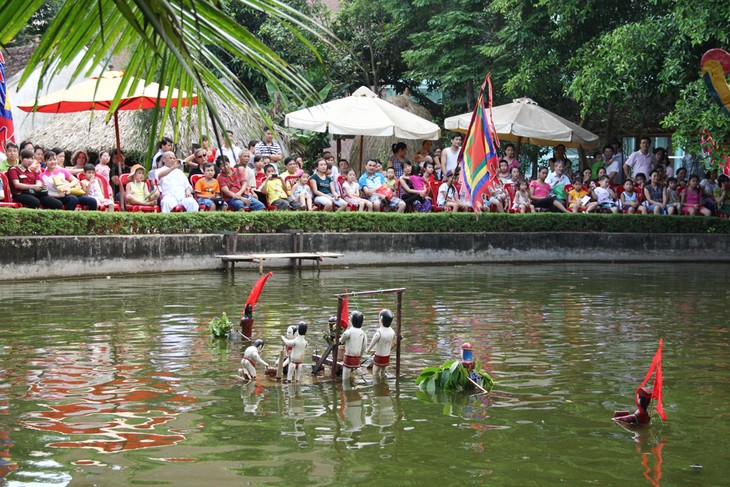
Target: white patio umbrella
point(524, 121)
point(362, 113)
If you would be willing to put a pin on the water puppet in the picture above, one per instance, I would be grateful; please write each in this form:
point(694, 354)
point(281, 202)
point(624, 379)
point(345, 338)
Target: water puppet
point(645, 394)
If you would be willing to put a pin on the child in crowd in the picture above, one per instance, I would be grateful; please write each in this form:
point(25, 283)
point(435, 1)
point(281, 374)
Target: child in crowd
point(391, 182)
point(102, 168)
point(605, 196)
point(498, 197)
point(448, 197)
point(428, 175)
point(639, 185)
point(91, 184)
point(260, 175)
point(578, 198)
point(208, 190)
point(723, 200)
point(137, 191)
point(522, 202)
point(302, 192)
point(692, 198)
point(674, 201)
point(351, 192)
point(630, 199)
point(273, 188)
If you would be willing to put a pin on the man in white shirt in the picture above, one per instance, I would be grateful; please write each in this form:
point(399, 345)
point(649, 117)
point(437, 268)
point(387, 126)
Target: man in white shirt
point(450, 155)
point(558, 180)
point(641, 161)
point(231, 152)
point(174, 186)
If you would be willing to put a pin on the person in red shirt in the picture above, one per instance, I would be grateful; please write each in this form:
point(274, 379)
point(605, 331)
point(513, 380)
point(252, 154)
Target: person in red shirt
point(26, 185)
point(234, 189)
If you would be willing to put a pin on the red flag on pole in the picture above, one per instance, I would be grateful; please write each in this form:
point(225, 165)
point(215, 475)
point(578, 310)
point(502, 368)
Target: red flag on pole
point(656, 369)
point(7, 128)
point(255, 293)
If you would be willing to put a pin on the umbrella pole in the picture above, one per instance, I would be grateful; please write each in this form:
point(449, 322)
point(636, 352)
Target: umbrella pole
point(119, 162)
point(361, 143)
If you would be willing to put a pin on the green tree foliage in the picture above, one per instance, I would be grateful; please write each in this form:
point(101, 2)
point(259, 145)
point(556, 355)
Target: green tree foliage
point(695, 115)
point(374, 33)
point(444, 50)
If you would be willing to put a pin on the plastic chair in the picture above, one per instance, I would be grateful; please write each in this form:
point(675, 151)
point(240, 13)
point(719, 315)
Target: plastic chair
point(8, 201)
point(435, 185)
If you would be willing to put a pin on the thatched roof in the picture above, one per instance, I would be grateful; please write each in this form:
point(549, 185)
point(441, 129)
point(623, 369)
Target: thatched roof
point(380, 147)
point(87, 130)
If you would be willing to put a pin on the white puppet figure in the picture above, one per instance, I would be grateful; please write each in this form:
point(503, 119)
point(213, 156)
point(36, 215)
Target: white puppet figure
point(291, 333)
point(355, 341)
point(382, 343)
point(299, 348)
point(250, 359)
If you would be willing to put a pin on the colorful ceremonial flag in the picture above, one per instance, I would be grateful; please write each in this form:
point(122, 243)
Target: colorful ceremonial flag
point(656, 369)
point(7, 129)
point(256, 292)
point(478, 156)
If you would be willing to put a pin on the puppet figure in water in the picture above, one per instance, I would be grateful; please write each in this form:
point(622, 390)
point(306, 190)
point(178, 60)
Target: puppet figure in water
point(298, 350)
point(382, 342)
point(641, 415)
point(291, 333)
point(355, 341)
point(250, 359)
point(645, 393)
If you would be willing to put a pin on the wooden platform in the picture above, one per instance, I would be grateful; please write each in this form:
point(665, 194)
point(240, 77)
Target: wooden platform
point(295, 257)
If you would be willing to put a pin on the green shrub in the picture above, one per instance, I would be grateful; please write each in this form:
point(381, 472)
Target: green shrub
point(25, 222)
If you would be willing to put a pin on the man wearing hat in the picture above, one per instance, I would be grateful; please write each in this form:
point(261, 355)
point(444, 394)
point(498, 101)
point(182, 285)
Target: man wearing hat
point(174, 186)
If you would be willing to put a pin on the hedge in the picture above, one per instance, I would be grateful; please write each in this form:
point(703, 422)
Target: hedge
point(26, 222)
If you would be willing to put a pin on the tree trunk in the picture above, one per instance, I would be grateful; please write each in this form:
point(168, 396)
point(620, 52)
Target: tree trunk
point(470, 100)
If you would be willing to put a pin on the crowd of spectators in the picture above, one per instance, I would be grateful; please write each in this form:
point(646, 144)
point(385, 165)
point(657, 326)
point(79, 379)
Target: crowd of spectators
point(259, 178)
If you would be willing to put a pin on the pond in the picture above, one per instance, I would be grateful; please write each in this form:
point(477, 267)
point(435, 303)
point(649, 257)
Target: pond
point(116, 381)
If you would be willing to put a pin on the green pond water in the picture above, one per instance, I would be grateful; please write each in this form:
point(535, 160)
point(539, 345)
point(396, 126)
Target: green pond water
point(117, 382)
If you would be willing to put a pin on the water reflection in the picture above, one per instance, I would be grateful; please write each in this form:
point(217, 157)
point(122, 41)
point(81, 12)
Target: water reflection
point(112, 407)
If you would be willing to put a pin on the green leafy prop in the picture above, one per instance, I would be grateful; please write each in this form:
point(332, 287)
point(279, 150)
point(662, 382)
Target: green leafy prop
point(220, 327)
point(453, 377)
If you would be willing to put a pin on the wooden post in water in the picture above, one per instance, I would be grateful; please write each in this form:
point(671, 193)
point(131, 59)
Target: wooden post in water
point(398, 335)
point(335, 350)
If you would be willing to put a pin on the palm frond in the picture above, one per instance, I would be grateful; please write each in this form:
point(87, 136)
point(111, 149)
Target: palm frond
point(171, 42)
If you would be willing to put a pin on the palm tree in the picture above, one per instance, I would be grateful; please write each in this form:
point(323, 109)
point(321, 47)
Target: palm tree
point(169, 41)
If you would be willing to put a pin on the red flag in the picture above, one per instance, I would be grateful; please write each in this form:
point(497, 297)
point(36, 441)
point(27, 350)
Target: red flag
point(7, 129)
point(345, 317)
point(256, 292)
point(656, 366)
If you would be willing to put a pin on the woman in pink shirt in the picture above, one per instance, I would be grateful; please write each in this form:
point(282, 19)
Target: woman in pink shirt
point(540, 194)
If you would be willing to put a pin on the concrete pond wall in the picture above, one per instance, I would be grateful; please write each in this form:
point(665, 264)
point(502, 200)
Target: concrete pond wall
point(49, 257)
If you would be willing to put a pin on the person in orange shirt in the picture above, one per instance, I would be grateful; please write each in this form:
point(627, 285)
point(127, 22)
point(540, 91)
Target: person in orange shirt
point(208, 190)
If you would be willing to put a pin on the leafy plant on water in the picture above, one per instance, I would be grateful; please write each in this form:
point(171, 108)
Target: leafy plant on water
point(452, 376)
point(220, 327)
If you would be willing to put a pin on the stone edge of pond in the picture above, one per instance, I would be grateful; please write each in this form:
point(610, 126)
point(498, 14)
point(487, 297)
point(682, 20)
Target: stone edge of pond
point(55, 257)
